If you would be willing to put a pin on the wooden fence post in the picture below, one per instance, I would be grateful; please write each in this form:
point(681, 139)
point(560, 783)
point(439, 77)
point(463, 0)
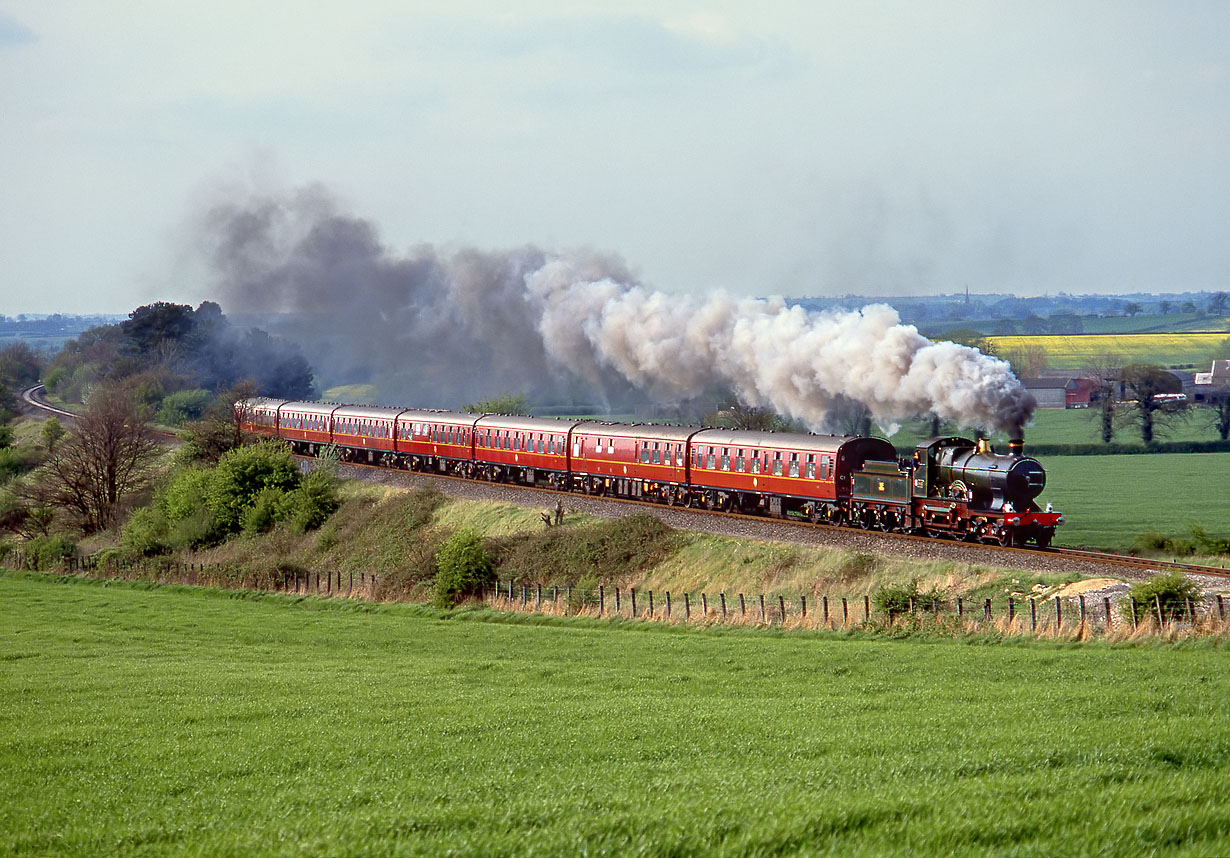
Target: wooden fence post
point(1082, 604)
point(960, 609)
point(687, 607)
point(803, 605)
point(825, 602)
point(1011, 611)
point(704, 605)
point(632, 590)
point(866, 609)
point(1058, 614)
point(602, 600)
point(845, 613)
point(668, 604)
point(651, 604)
point(1157, 601)
point(1033, 614)
point(617, 601)
point(781, 606)
point(1191, 613)
point(742, 606)
point(987, 610)
point(723, 595)
point(1106, 605)
point(762, 607)
point(1221, 608)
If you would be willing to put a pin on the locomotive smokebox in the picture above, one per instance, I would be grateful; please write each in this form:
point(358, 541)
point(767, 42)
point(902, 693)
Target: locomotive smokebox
point(1016, 447)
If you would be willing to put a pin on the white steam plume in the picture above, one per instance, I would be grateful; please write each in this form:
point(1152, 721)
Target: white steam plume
point(782, 357)
point(436, 327)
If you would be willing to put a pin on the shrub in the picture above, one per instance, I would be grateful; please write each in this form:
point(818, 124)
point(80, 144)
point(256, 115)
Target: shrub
point(1172, 589)
point(145, 534)
point(242, 474)
point(184, 405)
point(463, 568)
point(317, 498)
point(895, 598)
point(49, 552)
point(267, 509)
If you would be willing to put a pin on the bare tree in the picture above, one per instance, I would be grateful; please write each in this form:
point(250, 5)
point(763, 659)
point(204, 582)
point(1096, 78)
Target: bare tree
point(1027, 361)
point(108, 456)
point(1218, 400)
point(1146, 385)
point(1104, 372)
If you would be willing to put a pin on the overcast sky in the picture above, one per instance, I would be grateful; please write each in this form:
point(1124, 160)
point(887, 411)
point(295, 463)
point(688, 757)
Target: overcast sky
point(767, 148)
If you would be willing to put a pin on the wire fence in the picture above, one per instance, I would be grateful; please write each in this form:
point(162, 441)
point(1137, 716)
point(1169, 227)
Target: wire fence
point(1053, 615)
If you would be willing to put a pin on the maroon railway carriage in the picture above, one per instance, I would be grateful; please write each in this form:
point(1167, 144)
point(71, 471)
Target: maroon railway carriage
point(365, 433)
point(526, 450)
point(638, 460)
point(440, 441)
point(780, 473)
point(306, 425)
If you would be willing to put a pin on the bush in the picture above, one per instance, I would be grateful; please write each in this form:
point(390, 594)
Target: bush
point(463, 568)
point(317, 498)
point(145, 534)
point(267, 509)
point(242, 474)
point(49, 552)
point(1173, 589)
point(182, 406)
point(895, 598)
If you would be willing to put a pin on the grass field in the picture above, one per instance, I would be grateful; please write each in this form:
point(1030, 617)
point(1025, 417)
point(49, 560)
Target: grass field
point(171, 722)
point(1080, 351)
point(1108, 500)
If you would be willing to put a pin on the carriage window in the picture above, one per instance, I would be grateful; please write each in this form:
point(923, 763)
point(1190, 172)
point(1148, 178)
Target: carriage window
point(811, 466)
point(610, 445)
point(679, 455)
point(700, 460)
point(756, 462)
point(777, 464)
point(740, 462)
point(725, 458)
point(711, 461)
point(645, 454)
point(794, 464)
point(657, 454)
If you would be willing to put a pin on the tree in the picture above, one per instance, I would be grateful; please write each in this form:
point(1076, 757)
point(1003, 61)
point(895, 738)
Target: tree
point(508, 403)
point(1104, 372)
point(1144, 383)
point(20, 365)
point(1027, 361)
point(108, 456)
point(1164, 307)
point(1217, 304)
point(1131, 308)
point(848, 417)
point(221, 427)
point(1218, 400)
point(736, 415)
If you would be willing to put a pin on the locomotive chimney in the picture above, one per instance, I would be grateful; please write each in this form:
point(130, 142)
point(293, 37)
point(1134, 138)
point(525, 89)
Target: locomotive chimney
point(1016, 447)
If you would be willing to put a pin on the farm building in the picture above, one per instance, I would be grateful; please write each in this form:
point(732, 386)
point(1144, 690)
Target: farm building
point(1061, 391)
point(1050, 392)
point(1216, 379)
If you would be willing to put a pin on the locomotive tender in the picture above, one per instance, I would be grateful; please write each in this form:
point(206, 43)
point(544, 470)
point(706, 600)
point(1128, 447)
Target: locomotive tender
point(950, 486)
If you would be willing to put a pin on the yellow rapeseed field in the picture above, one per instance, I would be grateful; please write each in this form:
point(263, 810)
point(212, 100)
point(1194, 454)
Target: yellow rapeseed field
point(1078, 351)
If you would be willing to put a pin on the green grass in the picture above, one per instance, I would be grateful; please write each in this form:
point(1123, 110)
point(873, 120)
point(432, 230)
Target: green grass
point(1108, 500)
point(1077, 426)
point(171, 722)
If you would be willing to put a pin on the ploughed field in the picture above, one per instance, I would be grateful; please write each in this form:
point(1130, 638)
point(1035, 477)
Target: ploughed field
point(168, 721)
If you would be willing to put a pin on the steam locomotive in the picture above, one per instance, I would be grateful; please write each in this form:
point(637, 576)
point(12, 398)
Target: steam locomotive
point(950, 487)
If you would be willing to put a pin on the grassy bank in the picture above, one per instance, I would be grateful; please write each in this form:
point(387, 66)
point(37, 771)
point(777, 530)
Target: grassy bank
point(168, 721)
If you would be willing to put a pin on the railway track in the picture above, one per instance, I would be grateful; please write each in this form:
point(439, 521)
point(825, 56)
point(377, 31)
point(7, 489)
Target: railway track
point(33, 397)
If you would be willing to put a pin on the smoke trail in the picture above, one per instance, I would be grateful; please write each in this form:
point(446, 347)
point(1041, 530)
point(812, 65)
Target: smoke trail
point(527, 319)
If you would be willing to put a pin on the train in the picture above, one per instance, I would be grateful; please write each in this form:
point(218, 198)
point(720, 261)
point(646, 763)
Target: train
point(949, 487)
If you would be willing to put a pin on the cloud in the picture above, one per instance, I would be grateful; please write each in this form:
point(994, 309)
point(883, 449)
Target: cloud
point(13, 32)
